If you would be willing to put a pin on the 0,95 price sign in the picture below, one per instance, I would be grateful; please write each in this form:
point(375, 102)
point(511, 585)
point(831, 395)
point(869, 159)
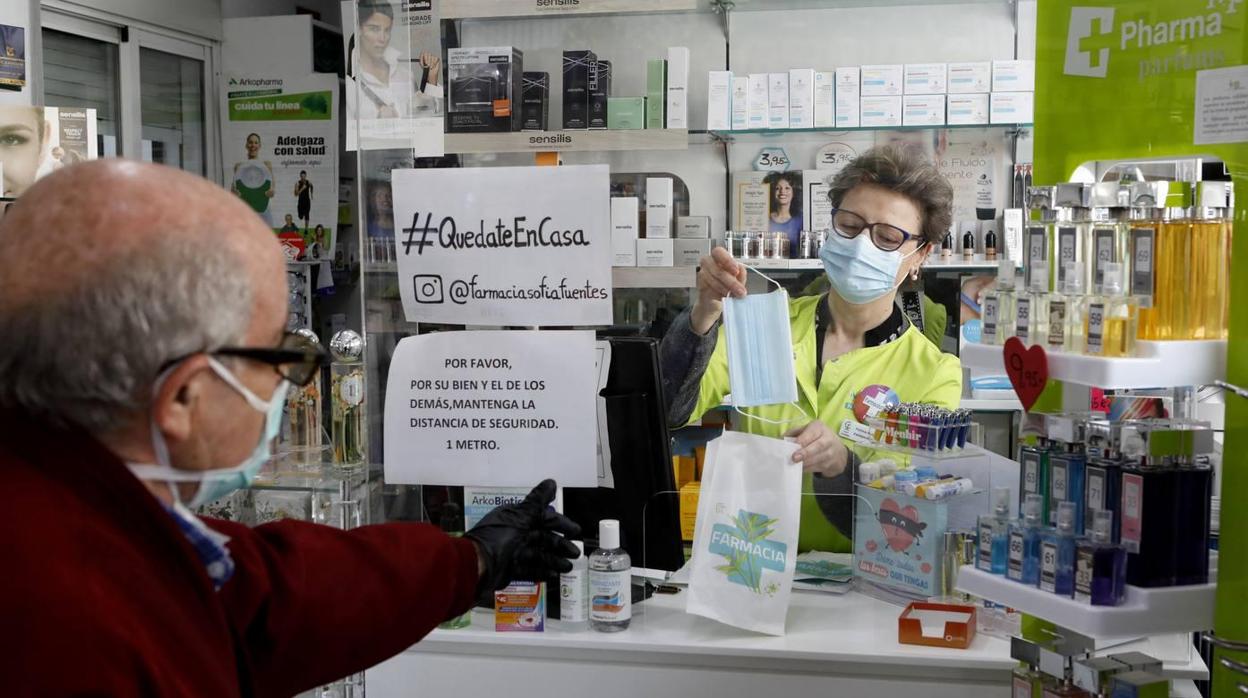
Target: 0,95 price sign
point(505, 245)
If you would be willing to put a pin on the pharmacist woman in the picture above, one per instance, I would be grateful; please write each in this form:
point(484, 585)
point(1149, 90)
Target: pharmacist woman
point(891, 208)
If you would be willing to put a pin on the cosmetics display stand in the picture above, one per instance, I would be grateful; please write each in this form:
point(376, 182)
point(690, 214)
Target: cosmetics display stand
point(1156, 365)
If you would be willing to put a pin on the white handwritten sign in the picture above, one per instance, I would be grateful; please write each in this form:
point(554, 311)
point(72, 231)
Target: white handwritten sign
point(504, 245)
point(1221, 106)
point(496, 409)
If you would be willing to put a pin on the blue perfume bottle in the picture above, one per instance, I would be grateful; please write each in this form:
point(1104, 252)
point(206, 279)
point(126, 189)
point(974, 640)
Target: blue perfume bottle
point(994, 533)
point(1101, 564)
point(1024, 543)
point(1057, 553)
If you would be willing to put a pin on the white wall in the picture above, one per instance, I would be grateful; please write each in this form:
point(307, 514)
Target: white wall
point(198, 17)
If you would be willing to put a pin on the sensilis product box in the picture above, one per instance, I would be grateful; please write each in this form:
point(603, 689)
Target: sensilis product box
point(966, 78)
point(535, 102)
point(626, 113)
point(655, 252)
point(926, 78)
point(848, 95)
point(688, 253)
point(659, 207)
point(1011, 107)
point(624, 216)
point(677, 87)
point(882, 80)
point(777, 100)
point(520, 608)
point(1013, 76)
point(881, 112)
point(693, 227)
point(656, 93)
point(923, 110)
point(818, 206)
point(578, 66)
point(967, 110)
point(485, 89)
point(825, 99)
point(756, 112)
point(740, 103)
point(719, 101)
point(599, 93)
point(801, 98)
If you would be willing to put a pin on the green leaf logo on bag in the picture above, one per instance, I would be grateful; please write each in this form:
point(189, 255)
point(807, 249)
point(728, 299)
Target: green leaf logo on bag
point(744, 543)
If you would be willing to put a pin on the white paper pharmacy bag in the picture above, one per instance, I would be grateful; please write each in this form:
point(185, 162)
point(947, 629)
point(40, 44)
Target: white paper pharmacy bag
point(745, 544)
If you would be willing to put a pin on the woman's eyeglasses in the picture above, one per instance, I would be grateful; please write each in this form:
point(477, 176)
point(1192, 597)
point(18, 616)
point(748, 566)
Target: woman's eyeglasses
point(886, 237)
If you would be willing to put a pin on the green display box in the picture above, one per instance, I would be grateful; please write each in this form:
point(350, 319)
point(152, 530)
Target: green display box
point(626, 113)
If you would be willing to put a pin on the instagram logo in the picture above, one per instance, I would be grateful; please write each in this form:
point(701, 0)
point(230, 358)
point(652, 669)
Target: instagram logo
point(428, 288)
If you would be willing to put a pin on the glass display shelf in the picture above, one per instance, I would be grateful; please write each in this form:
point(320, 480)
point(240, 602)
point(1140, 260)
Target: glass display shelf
point(764, 133)
point(1155, 365)
point(654, 277)
point(508, 9)
point(935, 263)
point(1145, 612)
point(567, 141)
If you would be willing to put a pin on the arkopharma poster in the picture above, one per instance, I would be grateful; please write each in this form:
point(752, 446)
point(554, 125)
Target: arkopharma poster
point(281, 155)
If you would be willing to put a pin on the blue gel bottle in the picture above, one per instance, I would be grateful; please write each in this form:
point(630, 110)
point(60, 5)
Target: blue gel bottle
point(994, 534)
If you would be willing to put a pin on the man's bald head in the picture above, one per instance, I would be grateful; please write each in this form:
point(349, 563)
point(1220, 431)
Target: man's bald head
point(123, 267)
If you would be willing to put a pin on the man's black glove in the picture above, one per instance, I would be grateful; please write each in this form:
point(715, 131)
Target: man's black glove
point(520, 541)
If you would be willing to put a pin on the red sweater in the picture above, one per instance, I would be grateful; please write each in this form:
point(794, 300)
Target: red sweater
point(101, 593)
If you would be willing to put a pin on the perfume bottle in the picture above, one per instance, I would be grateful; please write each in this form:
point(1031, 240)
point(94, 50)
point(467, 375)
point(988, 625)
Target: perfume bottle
point(302, 437)
point(1142, 239)
point(1057, 553)
point(1033, 474)
point(1107, 238)
point(1025, 538)
point(968, 244)
point(1027, 681)
point(994, 533)
point(1112, 318)
point(1065, 689)
point(1037, 245)
point(1100, 564)
point(1103, 474)
point(1066, 313)
point(998, 315)
point(1174, 264)
point(1148, 510)
point(1031, 312)
point(349, 422)
point(1069, 231)
point(1192, 518)
point(1210, 239)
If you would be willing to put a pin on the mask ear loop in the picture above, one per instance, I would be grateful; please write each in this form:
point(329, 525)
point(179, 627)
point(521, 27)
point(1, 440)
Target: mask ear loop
point(806, 418)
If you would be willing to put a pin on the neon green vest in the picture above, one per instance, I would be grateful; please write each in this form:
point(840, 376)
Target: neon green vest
point(911, 365)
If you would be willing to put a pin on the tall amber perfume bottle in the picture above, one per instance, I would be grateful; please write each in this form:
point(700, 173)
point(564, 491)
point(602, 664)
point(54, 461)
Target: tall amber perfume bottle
point(1147, 202)
point(350, 432)
point(1209, 281)
point(1069, 233)
point(1174, 265)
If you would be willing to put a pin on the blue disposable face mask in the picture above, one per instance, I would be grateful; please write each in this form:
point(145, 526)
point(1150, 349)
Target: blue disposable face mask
point(859, 271)
point(217, 483)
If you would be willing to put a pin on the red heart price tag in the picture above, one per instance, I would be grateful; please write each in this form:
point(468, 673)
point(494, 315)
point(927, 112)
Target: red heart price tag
point(1028, 370)
point(1099, 400)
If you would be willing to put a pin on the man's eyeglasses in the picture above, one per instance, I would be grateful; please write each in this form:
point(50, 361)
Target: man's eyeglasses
point(888, 238)
point(296, 358)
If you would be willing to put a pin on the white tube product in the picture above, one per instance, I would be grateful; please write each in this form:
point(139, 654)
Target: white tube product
point(574, 592)
point(741, 103)
point(944, 488)
point(777, 100)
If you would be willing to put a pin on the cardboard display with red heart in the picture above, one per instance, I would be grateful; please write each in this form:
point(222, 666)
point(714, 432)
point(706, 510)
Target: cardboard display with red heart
point(1028, 369)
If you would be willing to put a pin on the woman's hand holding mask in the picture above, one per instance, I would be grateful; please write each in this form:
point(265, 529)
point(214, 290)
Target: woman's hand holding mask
point(822, 452)
point(719, 276)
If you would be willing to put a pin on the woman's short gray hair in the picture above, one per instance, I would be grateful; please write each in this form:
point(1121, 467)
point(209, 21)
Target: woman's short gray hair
point(89, 355)
point(908, 172)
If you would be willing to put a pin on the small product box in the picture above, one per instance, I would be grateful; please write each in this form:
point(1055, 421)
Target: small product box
point(1013, 76)
point(825, 99)
point(740, 103)
point(655, 252)
point(967, 78)
point(535, 102)
point(967, 109)
point(599, 93)
point(719, 101)
point(485, 89)
point(882, 80)
point(677, 87)
point(689, 253)
point(520, 608)
point(1139, 684)
point(750, 196)
point(1011, 107)
point(658, 208)
point(923, 110)
point(693, 227)
point(689, 509)
point(578, 66)
point(937, 625)
point(848, 96)
point(656, 93)
point(801, 98)
point(777, 100)
point(624, 215)
point(756, 111)
point(881, 112)
point(926, 78)
point(818, 206)
point(626, 113)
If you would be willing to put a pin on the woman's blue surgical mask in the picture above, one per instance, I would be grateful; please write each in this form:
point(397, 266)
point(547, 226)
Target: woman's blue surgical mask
point(215, 484)
point(859, 271)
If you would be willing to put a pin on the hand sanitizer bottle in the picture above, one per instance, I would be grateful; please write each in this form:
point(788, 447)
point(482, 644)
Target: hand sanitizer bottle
point(1057, 554)
point(1100, 564)
point(1024, 561)
point(610, 581)
point(574, 593)
point(994, 533)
